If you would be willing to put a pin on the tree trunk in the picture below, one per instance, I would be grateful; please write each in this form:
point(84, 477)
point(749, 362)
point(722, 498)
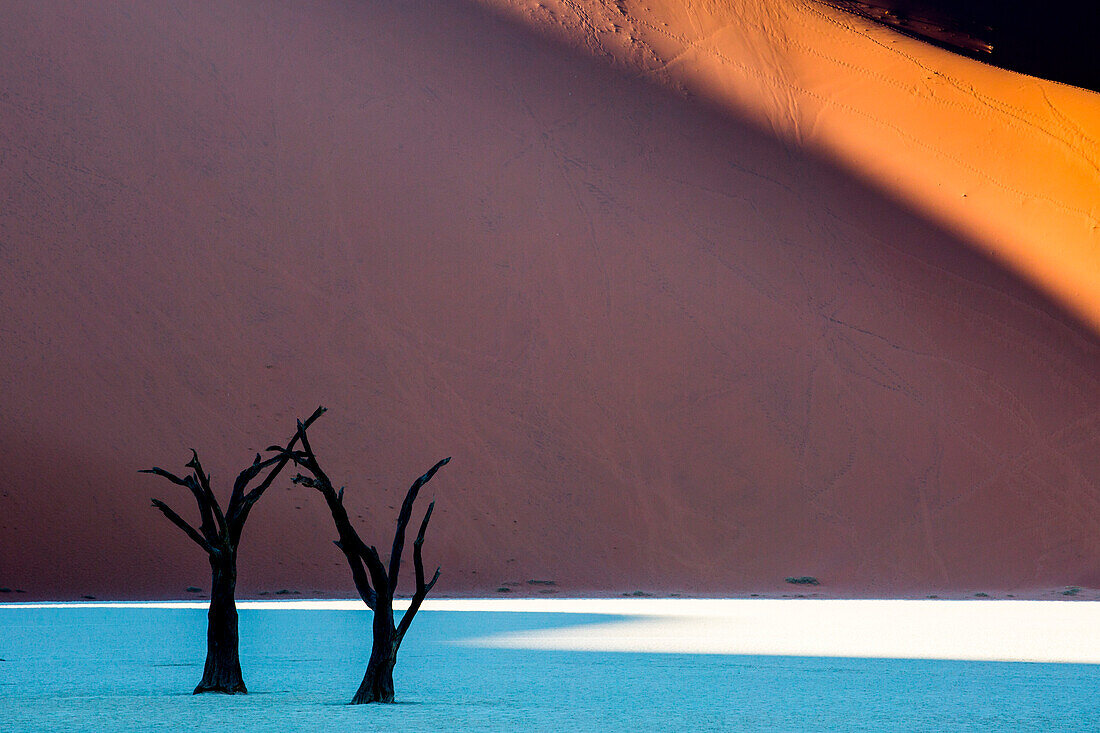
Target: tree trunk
point(377, 683)
point(222, 672)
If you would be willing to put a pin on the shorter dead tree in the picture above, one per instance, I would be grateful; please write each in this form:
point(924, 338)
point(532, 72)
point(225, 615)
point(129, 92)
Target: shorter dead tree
point(376, 585)
point(219, 535)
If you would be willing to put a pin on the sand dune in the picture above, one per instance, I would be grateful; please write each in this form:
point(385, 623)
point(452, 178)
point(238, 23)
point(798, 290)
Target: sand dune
point(1008, 161)
point(695, 343)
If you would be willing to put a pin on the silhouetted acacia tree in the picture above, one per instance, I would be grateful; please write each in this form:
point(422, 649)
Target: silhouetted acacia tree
point(219, 535)
point(375, 584)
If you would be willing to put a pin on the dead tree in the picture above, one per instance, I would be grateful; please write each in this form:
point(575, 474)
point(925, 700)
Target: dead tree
point(219, 535)
point(376, 585)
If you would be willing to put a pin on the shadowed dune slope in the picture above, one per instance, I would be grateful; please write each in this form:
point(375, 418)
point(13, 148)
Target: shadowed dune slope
point(666, 351)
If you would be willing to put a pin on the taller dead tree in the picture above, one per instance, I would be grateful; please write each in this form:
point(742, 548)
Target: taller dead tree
point(375, 583)
point(219, 535)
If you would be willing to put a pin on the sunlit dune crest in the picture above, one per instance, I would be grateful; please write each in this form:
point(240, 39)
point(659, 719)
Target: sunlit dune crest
point(1007, 160)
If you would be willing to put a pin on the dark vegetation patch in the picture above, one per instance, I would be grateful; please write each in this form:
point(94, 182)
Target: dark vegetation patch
point(803, 580)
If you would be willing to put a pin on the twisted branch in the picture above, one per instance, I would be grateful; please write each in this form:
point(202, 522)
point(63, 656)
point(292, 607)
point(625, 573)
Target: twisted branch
point(403, 520)
point(182, 524)
point(422, 588)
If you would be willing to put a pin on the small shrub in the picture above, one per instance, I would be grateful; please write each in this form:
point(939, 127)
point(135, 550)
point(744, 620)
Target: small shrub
point(803, 580)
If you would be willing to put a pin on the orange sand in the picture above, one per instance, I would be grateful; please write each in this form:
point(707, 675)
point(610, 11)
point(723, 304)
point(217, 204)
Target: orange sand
point(1008, 161)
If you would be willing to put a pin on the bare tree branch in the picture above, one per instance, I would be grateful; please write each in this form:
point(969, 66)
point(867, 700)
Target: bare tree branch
point(422, 588)
point(308, 459)
point(187, 528)
point(206, 528)
point(403, 520)
point(209, 531)
point(244, 477)
point(240, 507)
point(240, 503)
point(359, 575)
point(366, 566)
point(252, 471)
point(378, 577)
point(204, 485)
point(157, 471)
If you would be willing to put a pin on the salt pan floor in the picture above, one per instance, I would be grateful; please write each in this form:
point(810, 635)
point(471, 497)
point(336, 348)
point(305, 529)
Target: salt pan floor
point(557, 664)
